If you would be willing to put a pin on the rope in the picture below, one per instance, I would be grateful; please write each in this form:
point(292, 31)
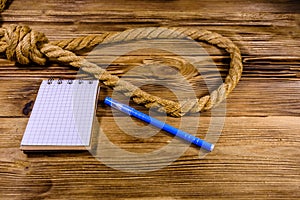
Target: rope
point(2, 5)
point(24, 45)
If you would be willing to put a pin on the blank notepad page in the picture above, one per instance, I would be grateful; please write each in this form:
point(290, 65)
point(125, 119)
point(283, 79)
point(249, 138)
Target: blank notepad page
point(63, 114)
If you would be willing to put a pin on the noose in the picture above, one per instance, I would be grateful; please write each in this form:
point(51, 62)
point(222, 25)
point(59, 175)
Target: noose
point(24, 45)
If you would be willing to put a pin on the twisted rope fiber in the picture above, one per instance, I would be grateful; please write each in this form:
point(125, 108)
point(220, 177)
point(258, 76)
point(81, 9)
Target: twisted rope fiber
point(23, 45)
point(2, 5)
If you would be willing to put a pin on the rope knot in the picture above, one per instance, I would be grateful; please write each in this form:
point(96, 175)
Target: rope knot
point(23, 44)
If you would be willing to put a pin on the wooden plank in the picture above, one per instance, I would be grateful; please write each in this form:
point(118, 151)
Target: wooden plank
point(252, 97)
point(263, 30)
point(230, 170)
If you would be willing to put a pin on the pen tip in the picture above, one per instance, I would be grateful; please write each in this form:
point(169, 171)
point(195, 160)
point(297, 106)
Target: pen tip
point(212, 147)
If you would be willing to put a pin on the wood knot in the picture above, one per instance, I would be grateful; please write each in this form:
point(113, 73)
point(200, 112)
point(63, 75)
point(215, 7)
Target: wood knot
point(23, 44)
point(28, 108)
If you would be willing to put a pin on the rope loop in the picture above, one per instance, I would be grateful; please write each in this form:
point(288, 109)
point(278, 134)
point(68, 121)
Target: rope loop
point(23, 45)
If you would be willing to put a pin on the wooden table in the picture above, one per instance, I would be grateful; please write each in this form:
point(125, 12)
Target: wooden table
point(257, 154)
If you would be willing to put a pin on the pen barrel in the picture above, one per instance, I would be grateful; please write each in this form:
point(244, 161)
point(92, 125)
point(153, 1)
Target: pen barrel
point(159, 124)
point(188, 137)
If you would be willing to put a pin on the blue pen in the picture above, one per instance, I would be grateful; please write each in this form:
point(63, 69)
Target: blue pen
point(166, 127)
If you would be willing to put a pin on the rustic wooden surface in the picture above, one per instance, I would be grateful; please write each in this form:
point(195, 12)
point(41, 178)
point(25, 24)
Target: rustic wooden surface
point(257, 155)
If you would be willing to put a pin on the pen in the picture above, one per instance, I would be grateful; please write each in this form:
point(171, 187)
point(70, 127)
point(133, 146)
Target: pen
point(159, 124)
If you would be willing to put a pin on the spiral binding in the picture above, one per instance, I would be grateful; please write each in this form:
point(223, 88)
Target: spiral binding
point(50, 80)
point(59, 81)
point(69, 81)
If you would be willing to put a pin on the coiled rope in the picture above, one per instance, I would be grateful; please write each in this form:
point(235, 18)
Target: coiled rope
point(24, 45)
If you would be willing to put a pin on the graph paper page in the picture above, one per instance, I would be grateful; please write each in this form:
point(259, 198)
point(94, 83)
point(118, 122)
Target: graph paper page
point(62, 114)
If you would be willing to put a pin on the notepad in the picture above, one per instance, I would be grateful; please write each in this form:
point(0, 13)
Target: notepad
point(62, 116)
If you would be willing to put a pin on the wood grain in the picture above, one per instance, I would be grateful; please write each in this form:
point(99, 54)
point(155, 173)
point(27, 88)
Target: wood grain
point(257, 154)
